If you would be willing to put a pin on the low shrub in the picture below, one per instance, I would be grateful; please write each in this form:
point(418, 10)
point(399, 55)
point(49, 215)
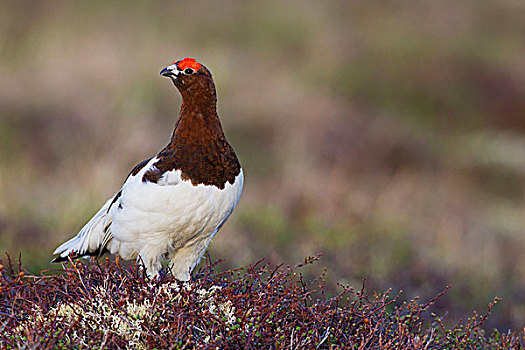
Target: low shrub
point(101, 304)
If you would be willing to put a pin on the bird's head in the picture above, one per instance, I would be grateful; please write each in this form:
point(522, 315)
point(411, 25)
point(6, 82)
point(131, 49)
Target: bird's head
point(189, 76)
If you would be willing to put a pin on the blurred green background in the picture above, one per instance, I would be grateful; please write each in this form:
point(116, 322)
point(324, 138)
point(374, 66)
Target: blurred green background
point(389, 137)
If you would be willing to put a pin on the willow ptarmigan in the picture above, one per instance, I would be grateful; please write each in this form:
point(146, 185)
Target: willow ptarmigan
point(171, 205)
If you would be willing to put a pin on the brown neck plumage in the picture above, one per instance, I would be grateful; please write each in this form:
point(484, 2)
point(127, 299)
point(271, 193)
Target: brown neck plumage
point(198, 120)
point(198, 147)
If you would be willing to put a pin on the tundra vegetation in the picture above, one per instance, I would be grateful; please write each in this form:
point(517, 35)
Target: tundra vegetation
point(102, 305)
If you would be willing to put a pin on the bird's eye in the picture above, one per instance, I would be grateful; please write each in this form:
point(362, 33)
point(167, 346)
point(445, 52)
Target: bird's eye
point(188, 71)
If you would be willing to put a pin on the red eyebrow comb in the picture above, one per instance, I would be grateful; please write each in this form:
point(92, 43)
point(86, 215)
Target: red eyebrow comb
point(189, 63)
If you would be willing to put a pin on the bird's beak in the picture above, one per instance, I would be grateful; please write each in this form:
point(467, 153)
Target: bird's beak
point(170, 72)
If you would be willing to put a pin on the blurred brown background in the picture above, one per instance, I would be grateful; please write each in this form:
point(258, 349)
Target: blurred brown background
point(389, 137)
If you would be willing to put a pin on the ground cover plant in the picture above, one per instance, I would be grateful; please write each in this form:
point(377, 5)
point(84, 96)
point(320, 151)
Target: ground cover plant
point(104, 305)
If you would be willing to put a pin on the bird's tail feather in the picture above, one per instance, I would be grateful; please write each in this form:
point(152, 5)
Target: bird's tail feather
point(91, 240)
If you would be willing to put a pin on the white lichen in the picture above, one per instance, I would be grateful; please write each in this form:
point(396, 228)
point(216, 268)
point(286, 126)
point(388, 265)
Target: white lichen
point(131, 320)
point(220, 309)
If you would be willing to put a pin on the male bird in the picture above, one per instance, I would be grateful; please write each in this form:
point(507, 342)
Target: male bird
point(171, 205)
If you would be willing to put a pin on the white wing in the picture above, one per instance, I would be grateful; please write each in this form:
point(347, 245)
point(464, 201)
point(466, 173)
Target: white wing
point(96, 234)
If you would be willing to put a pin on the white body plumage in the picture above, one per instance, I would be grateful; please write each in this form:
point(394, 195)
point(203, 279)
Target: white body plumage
point(170, 219)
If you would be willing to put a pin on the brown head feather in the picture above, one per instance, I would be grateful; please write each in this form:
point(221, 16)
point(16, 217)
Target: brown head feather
point(198, 147)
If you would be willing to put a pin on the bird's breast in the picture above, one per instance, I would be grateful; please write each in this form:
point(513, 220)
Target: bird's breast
point(173, 209)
